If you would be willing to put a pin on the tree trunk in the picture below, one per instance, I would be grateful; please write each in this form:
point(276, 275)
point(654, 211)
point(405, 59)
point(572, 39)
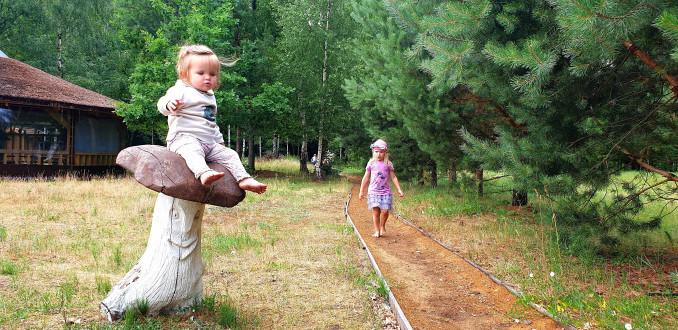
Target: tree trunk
point(434, 175)
point(319, 157)
point(168, 277)
point(303, 153)
point(238, 149)
point(452, 174)
point(250, 154)
point(479, 179)
point(287, 147)
point(60, 59)
point(519, 198)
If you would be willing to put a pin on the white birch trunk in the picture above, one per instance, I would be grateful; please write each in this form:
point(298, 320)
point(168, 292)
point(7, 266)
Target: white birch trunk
point(168, 277)
point(318, 172)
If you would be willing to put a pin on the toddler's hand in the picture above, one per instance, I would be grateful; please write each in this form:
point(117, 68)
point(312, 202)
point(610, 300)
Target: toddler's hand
point(400, 193)
point(361, 196)
point(174, 106)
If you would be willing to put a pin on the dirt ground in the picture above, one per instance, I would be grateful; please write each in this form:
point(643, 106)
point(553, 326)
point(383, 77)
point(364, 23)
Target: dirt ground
point(435, 288)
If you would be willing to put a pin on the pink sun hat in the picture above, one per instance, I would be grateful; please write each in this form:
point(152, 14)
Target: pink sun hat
point(379, 145)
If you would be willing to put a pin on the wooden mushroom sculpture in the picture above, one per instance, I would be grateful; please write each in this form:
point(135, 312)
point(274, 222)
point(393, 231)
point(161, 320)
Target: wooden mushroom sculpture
point(168, 276)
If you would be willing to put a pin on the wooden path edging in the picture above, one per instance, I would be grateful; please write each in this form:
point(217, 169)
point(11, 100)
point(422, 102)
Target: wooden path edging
point(511, 288)
point(400, 316)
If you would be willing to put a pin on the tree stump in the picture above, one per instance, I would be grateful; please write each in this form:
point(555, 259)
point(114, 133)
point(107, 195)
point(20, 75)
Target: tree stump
point(168, 277)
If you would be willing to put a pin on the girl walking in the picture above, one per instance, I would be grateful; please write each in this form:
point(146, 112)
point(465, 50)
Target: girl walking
point(379, 197)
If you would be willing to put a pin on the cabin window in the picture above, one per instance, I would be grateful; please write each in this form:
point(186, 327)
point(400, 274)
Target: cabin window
point(31, 136)
point(97, 135)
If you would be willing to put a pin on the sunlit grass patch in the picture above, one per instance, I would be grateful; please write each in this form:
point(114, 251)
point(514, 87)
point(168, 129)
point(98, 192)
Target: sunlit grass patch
point(288, 166)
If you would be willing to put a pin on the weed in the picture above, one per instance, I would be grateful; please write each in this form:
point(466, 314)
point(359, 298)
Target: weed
point(382, 288)
point(68, 288)
point(3, 234)
point(95, 250)
point(228, 243)
point(227, 316)
point(8, 268)
point(103, 285)
point(206, 305)
point(117, 256)
point(279, 265)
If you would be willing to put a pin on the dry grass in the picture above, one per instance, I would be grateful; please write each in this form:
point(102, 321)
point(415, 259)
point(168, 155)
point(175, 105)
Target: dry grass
point(515, 246)
point(285, 259)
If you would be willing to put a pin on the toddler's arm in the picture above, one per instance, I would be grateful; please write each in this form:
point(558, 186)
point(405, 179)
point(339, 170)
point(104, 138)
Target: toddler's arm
point(397, 184)
point(171, 102)
point(363, 185)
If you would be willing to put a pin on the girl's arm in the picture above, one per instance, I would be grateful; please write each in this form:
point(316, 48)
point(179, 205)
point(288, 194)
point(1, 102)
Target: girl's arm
point(397, 184)
point(363, 185)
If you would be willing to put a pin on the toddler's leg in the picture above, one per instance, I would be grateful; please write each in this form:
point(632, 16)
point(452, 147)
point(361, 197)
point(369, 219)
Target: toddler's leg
point(193, 153)
point(229, 158)
point(382, 222)
point(375, 220)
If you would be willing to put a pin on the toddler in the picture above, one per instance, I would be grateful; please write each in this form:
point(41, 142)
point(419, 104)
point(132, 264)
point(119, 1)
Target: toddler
point(191, 109)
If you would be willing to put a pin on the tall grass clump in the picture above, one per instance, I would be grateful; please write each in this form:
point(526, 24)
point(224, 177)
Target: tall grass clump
point(8, 268)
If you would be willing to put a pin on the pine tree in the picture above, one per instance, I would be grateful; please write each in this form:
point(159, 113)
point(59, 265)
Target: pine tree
point(581, 87)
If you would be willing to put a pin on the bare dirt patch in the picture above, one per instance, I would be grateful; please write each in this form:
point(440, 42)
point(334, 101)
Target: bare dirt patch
point(435, 288)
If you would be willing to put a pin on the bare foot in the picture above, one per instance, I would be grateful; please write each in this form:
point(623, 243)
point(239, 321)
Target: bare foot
point(252, 185)
point(376, 234)
point(382, 231)
point(209, 177)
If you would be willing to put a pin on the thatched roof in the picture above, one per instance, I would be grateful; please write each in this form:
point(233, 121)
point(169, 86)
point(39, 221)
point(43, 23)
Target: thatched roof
point(22, 82)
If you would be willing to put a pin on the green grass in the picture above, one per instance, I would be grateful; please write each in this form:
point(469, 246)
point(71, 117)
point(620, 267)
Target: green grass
point(8, 268)
point(103, 285)
point(229, 243)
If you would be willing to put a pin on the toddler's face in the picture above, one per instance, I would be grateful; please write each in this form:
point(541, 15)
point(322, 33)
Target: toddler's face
point(380, 154)
point(201, 75)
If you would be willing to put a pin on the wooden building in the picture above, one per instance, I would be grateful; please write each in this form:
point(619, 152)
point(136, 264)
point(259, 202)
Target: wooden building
point(50, 125)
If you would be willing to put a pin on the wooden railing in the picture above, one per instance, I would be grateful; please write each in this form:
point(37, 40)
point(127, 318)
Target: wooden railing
point(46, 157)
point(33, 157)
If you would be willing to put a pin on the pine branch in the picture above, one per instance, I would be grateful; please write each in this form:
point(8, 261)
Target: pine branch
point(645, 58)
point(638, 160)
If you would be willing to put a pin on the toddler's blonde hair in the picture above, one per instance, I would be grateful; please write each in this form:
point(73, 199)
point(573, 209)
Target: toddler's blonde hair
point(184, 60)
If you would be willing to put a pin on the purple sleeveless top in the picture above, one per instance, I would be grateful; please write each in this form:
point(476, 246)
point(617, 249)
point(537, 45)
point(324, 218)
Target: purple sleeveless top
point(380, 173)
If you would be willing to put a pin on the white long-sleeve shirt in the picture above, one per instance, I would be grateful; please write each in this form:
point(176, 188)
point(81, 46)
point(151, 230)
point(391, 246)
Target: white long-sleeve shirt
point(197, 117)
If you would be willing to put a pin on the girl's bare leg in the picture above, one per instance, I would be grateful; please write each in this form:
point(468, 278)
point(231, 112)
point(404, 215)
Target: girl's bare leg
point(375, 220)
point(382, 222)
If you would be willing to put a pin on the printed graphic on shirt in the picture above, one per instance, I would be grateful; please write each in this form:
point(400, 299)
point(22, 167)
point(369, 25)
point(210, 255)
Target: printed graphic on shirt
point(380, 182)
point(209, 113)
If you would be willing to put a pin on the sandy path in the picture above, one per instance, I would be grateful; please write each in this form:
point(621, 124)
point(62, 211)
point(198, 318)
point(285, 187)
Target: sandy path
point(435, 288)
